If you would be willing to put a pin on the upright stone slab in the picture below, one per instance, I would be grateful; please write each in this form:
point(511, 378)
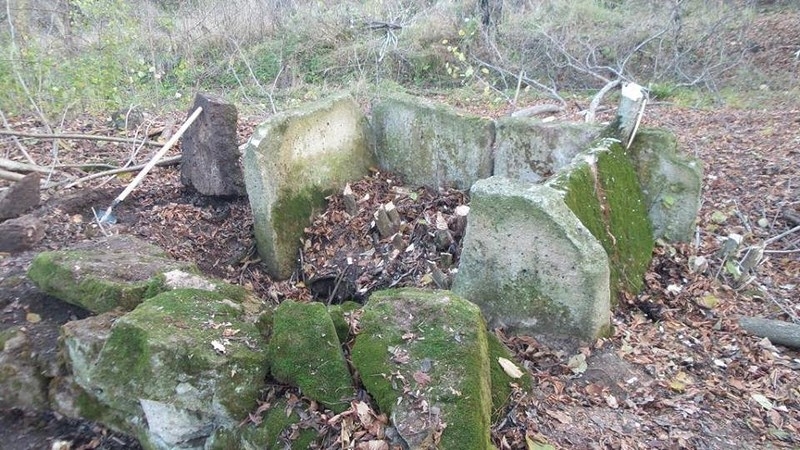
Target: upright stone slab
point(602, 189)
point(292, 162)
point(424, 358)
point(210, 161)
point(530, 264)
point(671, 184)
point(431, 145)
point(531, 150)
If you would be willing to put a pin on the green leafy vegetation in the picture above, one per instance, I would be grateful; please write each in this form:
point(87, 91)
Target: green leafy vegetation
point(103, 55)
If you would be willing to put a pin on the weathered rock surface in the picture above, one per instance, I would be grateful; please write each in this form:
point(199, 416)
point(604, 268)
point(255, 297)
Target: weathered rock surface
point(21, 233)
point(530, 264)
point(115, 272)
point(305, 352)
point(601, 188)
point(424, 358)
point(267, 434)
point(22, 385)
point(20, 197)
point(292, 162)
point(671, 184)
point(531, 150)
point(210, 151)
point(172, 371)
point(431, 145)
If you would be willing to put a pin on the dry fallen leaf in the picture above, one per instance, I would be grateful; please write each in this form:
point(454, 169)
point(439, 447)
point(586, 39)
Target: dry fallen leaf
point(218, 346)
point(421, 377)
point(33, 318)
point(510, 368)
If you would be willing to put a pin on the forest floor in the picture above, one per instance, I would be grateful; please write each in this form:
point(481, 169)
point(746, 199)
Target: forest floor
point(678, 372)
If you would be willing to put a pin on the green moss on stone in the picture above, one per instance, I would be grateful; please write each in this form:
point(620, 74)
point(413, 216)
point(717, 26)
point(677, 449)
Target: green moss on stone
point(292, 212)
point(338, 316)
point(305, 352)
point(608, 200)
point(452, 336)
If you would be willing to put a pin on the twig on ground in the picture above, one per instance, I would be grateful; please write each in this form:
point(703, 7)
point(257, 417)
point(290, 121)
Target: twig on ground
point(87, 137)
point(21, 147)
point(172, 160)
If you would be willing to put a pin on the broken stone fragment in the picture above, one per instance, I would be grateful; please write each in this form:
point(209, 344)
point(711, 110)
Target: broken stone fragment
point(20, 197)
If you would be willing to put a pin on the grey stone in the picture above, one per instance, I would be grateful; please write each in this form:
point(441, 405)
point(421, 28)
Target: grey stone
point(431, 145)
point(21, 233)
point(530, 264)
point(172, 371)
point(20, 197)
point(671, 183)
point(531, 150)
point(210, 152)
point(115, 272)
point(292, 162)
point(22, 385)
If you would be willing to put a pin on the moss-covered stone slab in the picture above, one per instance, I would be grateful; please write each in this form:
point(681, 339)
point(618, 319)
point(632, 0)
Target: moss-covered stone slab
point(532, 150)
point(431, 145)
point(171, 371)
point(305, 352)
point(22, 384)
point(270, 434)
point(115, 272)
point(292, 162)
point(602, 189)
point(424, 358)
point(530, 264)
point(671, 183)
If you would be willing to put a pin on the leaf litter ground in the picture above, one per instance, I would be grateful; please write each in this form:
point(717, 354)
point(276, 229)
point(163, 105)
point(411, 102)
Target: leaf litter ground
point(678, 371)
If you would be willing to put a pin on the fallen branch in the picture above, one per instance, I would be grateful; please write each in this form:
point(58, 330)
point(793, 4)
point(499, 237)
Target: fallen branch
point(172, 160)
point(10, 176)
point(595, 103)
point(537, 110)
point(85, 137)
point(15, 166)
point(777, 331)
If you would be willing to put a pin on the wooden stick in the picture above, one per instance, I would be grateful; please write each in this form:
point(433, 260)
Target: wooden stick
point(21, 167)
point(86, 137)
point(164, 162)
point(152, 162)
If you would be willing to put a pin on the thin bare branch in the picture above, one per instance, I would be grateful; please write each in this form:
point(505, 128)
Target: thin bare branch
point(84, 137)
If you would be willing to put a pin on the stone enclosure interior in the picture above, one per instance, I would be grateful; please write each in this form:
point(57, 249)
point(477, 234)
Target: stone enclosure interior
point(562, 217)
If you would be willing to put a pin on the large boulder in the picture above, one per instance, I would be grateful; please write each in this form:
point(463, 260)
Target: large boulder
point(532, 150)
point(305, 352)
point(292, 162)
point(115, 272)
point(424, 358)
point(671, 183)
point(530, 264)
point(431, 145)
point(602, 189)
point(172, 371)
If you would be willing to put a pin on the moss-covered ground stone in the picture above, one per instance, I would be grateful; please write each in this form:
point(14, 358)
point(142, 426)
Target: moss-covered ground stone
point(601, 187)
point(431, 145)
point(424, 358)
point(530, 264)
point(177, 367)
point(292, 162)
point(114, 272)
point(305, 352)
